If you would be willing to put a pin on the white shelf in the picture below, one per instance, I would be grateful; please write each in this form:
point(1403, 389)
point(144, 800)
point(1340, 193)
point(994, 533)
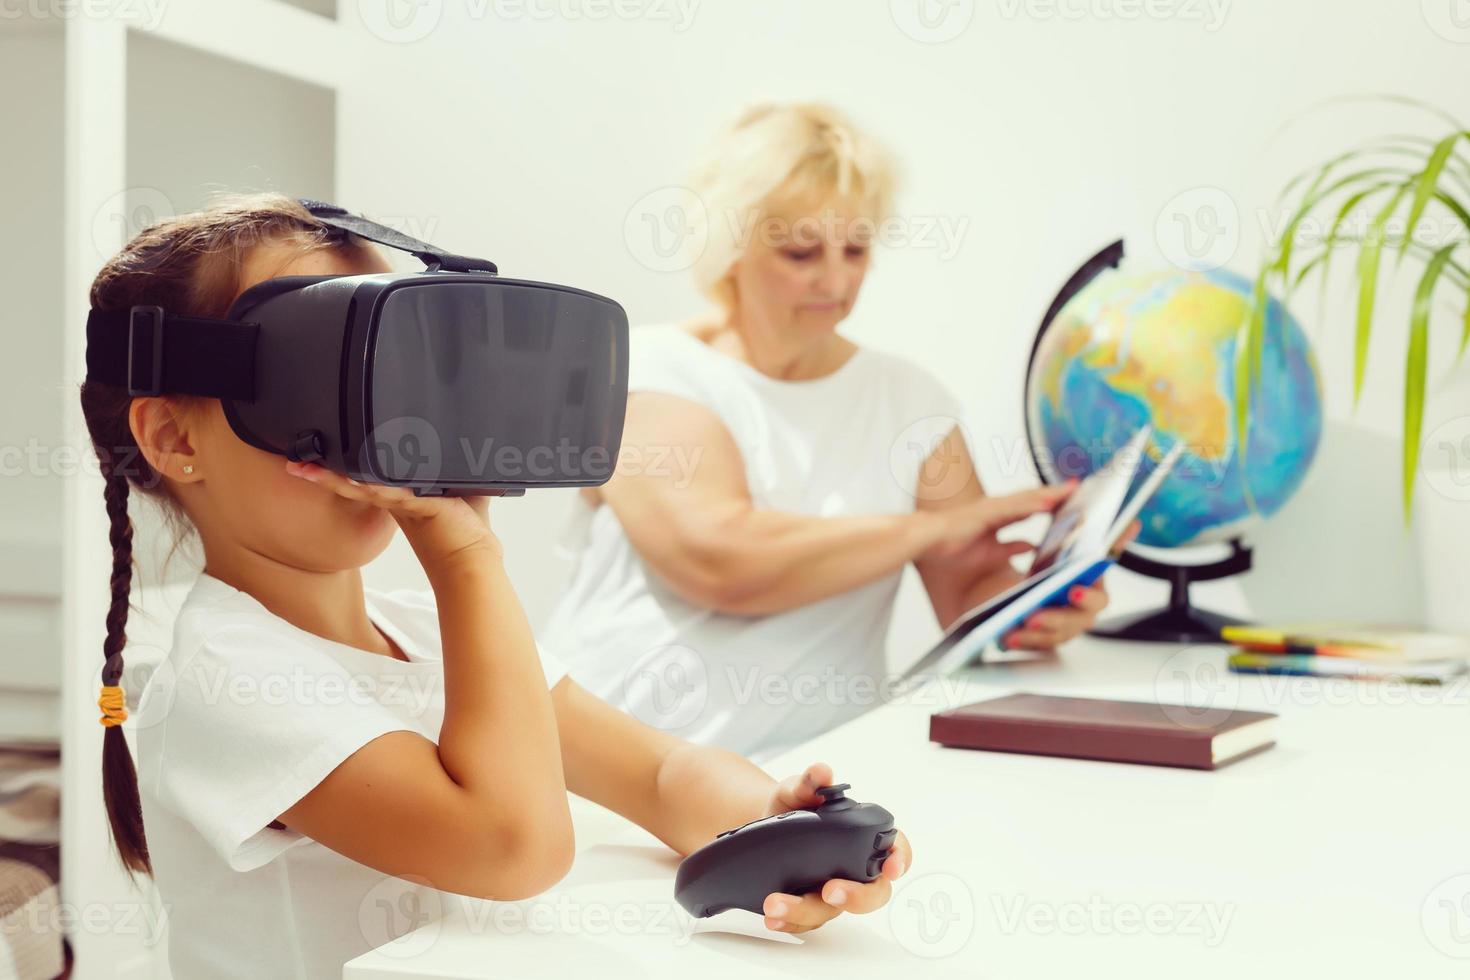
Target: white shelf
point(32, 565)
point(119, 115)
point(29, 716)
point(249, 128)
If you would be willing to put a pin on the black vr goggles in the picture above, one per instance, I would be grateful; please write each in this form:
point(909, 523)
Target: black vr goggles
point(450, 380)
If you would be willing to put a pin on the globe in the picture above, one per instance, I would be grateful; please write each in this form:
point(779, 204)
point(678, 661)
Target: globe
point(1159, 347)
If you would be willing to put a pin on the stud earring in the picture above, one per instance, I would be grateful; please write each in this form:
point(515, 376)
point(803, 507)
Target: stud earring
point(188, 468)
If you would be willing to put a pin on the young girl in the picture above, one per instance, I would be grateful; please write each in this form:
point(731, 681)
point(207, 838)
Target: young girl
point(309, 741)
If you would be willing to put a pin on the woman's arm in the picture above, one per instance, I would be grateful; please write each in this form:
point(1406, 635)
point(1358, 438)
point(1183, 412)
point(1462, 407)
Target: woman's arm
point(961, 580)
point(685, 794)
point(701, 532)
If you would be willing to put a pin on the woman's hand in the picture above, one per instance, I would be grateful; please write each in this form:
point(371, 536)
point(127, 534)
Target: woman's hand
point(441, 530)
point(801, 913)
point(1047, 629)
point(966, 534)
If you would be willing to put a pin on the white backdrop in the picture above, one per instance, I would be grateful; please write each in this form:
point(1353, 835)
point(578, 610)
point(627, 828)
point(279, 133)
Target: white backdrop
point(1030, 133)
point(543, 133)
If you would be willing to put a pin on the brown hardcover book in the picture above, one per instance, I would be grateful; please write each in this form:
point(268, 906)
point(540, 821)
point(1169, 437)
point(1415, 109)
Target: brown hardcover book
point(1115, 731)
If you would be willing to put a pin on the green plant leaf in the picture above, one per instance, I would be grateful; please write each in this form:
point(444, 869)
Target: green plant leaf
point(1459, 171)
point(1368, 256)
point(1453, 270)
point(1321, 173)
point(1282, 263)
point(1439, 173)
point(1397, 145)
point(1388, 145)
point(1415, 368)
point(1402, 145)
point(1351, 202)
point(1465, 335)
point(1244, 383)
point(1456, 208)
point(1323, 259)
point(1316, 261)
point(1425, 186)
point(1248, 345)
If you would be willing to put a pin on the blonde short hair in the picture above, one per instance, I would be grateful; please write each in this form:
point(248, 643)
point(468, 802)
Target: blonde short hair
point(774, 158)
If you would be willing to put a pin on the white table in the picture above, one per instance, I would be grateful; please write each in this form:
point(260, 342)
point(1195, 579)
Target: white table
point(1342, 852)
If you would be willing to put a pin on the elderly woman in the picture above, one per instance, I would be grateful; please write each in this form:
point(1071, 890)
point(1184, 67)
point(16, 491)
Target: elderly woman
point(736, 577)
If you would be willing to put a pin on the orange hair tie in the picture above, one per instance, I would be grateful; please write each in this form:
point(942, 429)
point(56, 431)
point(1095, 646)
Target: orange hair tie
point(114, 706)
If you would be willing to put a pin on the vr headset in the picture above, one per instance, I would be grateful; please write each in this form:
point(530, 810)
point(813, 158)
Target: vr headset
point(452, 380)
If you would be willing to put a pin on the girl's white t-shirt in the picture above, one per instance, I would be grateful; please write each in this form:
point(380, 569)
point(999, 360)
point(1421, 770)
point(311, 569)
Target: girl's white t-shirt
point(850, 443)
point(246, 715)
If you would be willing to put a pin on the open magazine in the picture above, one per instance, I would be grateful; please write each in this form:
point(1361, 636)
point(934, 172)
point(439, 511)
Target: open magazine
point(1076, 550)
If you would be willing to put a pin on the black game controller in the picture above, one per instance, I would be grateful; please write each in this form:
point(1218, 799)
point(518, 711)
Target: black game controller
point(794, 852)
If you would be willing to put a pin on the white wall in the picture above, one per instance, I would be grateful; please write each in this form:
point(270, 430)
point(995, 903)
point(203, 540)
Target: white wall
point(30, 378)
point(530, 139)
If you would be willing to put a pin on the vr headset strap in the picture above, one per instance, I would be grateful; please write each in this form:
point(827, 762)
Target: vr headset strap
point(153, 352)
point(432, 256)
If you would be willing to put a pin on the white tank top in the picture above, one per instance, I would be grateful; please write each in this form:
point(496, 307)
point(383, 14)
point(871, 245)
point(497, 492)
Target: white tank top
point(850, 443)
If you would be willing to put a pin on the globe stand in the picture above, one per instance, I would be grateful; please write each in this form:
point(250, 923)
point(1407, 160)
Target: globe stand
point(1178, 622)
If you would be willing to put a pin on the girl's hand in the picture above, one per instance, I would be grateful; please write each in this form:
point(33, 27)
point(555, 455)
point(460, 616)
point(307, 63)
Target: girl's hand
point(442, 530)
point(801, 913)
point(1046, 629)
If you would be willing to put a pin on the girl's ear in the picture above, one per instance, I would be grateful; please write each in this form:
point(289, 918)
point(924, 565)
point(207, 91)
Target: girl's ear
point(161, 427)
